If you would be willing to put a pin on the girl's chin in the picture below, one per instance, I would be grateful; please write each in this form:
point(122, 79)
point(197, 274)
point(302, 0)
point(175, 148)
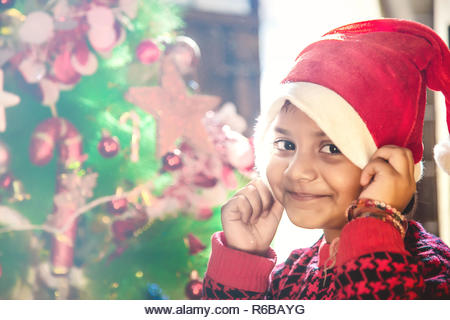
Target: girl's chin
point(311, 220)
point(305, 222)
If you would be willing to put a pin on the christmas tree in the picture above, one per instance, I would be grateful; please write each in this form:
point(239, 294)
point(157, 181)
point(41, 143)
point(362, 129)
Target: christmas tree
point(112, 165)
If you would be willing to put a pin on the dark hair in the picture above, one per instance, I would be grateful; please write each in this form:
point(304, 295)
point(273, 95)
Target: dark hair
point(411, 207)
point(286, 106)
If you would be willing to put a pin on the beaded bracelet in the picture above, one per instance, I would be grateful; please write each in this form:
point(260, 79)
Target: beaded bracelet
point(373, 208)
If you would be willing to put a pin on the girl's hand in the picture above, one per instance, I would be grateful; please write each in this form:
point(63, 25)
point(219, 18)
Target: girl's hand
point(250, 219)
point(389, 177)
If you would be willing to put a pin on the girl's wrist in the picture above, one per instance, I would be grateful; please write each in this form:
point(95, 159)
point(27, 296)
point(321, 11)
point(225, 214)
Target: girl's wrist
point(363, 207)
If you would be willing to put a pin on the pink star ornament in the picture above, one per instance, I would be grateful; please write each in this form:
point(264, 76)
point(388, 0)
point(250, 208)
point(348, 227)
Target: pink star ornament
point(178, 114)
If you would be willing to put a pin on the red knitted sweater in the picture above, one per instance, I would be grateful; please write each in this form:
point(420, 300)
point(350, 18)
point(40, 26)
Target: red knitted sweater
point(372, 262)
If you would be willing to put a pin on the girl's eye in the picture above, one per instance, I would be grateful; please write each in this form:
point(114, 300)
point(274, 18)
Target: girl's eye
point(330, 148)
point(284, 145)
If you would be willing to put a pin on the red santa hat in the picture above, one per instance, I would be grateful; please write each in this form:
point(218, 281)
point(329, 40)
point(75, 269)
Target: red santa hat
point(364, 84)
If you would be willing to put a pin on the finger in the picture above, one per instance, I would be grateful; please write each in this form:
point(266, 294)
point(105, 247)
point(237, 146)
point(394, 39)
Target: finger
point(377, 166)
point(265, 194)
point(237, 208)
point(399, 158)
point(254, 199)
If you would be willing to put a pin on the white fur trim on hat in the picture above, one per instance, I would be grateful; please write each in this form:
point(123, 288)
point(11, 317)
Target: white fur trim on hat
point(442, 155)
point(334, 115)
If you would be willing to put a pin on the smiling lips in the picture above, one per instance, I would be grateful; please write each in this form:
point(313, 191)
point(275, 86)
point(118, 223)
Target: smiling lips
point(301, 196)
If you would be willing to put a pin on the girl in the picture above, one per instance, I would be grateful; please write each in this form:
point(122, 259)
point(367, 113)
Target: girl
point(340, 150)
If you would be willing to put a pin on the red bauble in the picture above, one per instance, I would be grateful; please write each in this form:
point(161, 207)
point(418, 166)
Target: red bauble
point(172, 161)
point(147, 52)
point(204, 213)
point(63, 69)
point(124, 229)
point(194, 289)
point(117, 206)
point(0, 270)
point(195, 245)
point(6, 180)
point(185, 53)
point(108, 146)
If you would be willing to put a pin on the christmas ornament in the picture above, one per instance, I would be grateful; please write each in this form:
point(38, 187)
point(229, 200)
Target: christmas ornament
point(6, 100)
point(239, 151)
point(121, 34)
point(154, 292)
point(108, 146)
point(227, 115)
point(38, 28)
point(194, 244)
point(204, 213)
point(124, 229)
point(172, 161)
point(6, 180)
point(48, 134)
point(50, 94)
point(6, 4)
point(136, 134)
point(178, 114)
point(61, 10)
point(1, 270)
point(32, 70)
point(185, 53)
point(63, 69)
point(117, 206)
point(55, 132)
point(101, 34)
point(194, 288)
point(19, 193)
point(83, 61)
point(147, 52)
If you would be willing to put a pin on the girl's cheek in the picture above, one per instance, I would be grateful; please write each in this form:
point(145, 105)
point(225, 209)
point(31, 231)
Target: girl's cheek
point(274, 174)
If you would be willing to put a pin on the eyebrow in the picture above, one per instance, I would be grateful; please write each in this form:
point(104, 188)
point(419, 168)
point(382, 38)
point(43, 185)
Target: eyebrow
point(287, 132)
point(282, 131)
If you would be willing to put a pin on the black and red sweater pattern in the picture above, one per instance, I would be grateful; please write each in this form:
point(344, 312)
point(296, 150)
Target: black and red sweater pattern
point(372, 262)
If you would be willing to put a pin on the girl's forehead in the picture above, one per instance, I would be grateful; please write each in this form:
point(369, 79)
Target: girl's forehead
point(292, 119)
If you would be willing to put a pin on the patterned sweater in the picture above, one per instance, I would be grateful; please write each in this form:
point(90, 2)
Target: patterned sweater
point(372, 262)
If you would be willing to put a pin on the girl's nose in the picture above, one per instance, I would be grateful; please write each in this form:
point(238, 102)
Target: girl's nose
point(302, 167)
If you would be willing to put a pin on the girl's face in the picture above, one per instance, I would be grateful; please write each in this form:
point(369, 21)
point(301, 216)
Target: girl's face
point(308, 174)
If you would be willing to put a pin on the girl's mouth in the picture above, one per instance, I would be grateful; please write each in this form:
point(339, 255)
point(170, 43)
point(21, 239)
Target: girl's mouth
point(301, 196)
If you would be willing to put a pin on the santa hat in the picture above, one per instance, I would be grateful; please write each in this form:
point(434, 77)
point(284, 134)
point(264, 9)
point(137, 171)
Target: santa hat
point(364, 84)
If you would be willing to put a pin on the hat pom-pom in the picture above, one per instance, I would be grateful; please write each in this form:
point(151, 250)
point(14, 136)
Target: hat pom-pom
point(442, 155)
